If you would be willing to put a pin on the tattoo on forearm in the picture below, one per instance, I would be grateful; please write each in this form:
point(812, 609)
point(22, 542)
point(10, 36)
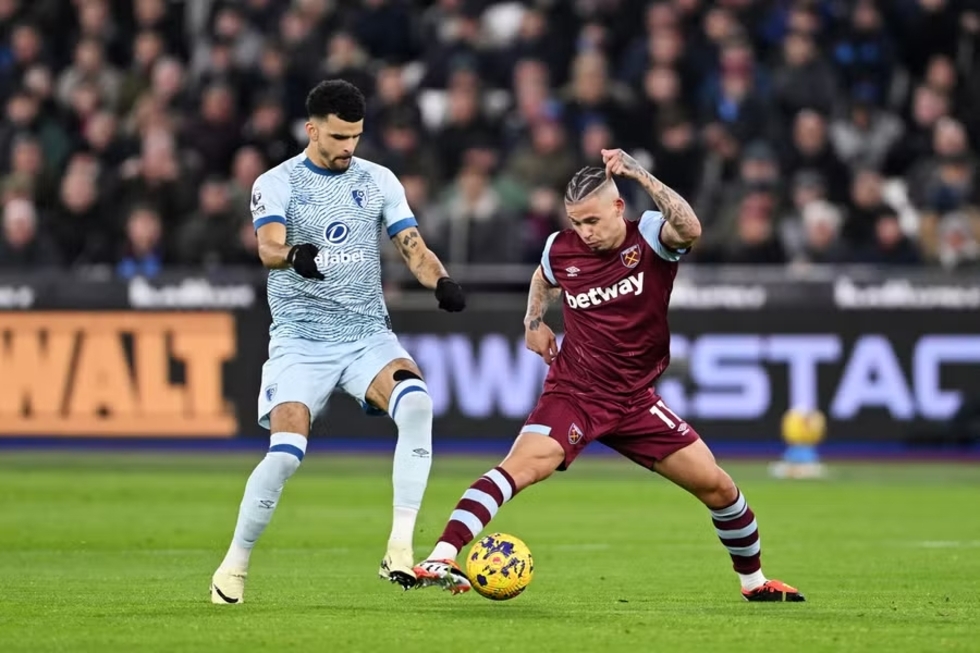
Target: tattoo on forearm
point(411, 239)
point(539, 298)
point(675, 208)
point(422, 263)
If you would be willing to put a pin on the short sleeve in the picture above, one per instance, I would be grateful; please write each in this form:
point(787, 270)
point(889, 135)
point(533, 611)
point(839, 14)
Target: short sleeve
point(270, 197)
point(546, 260)
point(397, 214)
point(651, 222)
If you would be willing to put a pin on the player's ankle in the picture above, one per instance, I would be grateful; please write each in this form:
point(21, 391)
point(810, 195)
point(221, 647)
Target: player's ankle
point(396, 544)
point(236, 559)
point(752, 581)
point(444, 551)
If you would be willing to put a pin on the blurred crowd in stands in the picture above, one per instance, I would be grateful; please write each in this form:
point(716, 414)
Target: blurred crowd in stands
point(802, 131)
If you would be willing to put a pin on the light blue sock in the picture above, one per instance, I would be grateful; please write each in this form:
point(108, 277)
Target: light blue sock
point(262, 492)
point(411, 409)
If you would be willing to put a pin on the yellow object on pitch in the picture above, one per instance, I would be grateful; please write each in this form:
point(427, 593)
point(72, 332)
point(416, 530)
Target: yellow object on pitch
point(499, 566)
point(804, 427)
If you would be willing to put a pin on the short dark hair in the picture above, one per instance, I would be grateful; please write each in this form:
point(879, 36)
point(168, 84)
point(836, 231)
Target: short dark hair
point(585, 182)
point(336, 97)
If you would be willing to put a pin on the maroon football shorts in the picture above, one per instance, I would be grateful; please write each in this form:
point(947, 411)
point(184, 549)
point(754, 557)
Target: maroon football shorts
point(642, 428)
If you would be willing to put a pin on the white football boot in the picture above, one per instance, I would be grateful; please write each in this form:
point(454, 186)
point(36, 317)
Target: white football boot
point(442, 573)
point(228, 586)
point(397, 566)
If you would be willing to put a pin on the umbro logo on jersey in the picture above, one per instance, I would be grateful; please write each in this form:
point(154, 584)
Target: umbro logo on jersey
point(572, 271)
point(631, 285)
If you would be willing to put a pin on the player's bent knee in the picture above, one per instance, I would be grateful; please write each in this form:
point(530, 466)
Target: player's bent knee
point(413, 406)
point(290, 417)
point(533, 458)
point(720, 492)
point(287, 450)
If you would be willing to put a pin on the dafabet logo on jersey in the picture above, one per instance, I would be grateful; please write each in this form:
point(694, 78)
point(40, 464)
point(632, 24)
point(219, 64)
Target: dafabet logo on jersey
point(119, 374)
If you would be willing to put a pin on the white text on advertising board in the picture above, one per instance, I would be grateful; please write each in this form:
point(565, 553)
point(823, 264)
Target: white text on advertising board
point(731, 375)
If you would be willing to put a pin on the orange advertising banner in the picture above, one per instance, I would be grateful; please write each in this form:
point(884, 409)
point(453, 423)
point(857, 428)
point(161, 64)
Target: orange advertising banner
point(116, 374)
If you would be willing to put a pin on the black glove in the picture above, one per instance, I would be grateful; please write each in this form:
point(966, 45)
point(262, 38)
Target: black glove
point(450, 295)
point(303, 260)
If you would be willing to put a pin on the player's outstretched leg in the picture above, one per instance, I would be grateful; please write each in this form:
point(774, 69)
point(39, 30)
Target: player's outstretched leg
point(533, 458)
point(694, 468)
point(411, 409)
point(262, 492)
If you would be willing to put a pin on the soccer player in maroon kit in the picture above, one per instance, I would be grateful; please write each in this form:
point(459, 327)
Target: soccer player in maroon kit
point(617, 277)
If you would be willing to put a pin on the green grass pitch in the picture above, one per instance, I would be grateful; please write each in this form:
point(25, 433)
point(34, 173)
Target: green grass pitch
point(114, 552)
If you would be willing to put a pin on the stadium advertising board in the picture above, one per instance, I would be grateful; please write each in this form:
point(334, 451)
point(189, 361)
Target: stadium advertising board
point(878, 360)
point(116, 374)
point(876, 374)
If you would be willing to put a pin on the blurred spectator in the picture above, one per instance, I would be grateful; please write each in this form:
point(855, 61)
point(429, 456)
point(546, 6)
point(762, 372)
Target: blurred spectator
point(209, 236)
point(548, 160)
point(89, 68)
point(267, 130)
point(863, 133)
point(142, 253)
point(810, 149)
point(543, 217)
point(821, 227)
point(23, 246)
point(866, 205)
point(475, 218)
point(890, 245)
point(804, 80)
point(78, 223)
point(865, 54)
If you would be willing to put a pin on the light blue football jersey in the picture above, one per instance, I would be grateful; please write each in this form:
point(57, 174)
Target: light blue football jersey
point(345, 215)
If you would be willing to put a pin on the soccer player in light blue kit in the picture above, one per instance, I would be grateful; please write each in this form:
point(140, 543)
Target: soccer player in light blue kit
point(319, 218)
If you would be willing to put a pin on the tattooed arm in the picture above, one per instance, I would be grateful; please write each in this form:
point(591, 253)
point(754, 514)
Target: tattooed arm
point(423, 263)
point(538, 336)
point(541, 295)
point(682, 227)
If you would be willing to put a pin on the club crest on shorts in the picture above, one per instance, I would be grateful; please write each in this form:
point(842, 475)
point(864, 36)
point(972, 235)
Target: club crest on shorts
point(360, 196)
point(270, 391)
point(630, 256)
point(574, 433)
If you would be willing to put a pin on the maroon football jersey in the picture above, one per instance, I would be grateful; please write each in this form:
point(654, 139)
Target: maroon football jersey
point(617, 340)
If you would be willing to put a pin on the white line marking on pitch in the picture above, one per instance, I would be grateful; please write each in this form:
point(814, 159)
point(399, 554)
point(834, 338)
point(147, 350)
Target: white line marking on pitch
point(946, 544)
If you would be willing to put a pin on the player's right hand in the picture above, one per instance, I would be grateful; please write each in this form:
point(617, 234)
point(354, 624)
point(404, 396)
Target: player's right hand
point(303, 259)
point(539, 338)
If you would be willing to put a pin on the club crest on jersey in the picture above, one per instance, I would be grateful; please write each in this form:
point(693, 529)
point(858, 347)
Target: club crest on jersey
point(630, 256)
point(574, 433)
point(270, 391)
point(360, 197)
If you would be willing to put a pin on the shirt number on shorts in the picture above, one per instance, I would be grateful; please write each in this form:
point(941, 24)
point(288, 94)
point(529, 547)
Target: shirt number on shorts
point(666, 415)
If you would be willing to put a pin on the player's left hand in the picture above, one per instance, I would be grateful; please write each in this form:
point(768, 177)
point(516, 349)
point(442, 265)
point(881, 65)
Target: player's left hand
point(620, 164)
point(450, 295)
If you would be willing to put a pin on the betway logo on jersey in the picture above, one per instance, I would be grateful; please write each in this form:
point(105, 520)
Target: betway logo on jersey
point(631, 285)
point(327, 259)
